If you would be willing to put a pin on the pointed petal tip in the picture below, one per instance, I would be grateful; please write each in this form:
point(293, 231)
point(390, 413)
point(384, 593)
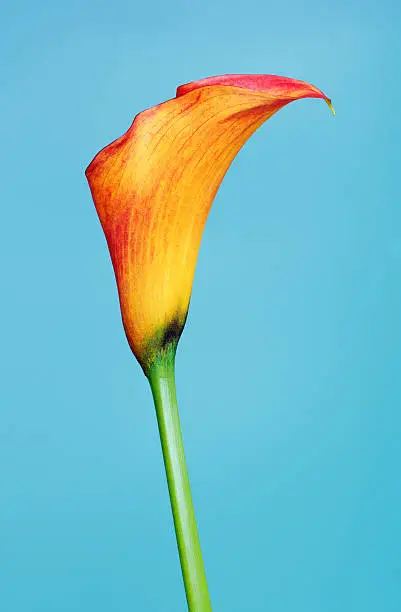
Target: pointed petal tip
point(331, 107)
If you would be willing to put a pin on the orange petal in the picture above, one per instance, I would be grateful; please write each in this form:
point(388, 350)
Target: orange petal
point(153, 188)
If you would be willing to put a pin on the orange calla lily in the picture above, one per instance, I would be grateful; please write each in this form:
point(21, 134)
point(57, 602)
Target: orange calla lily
point(153, 188)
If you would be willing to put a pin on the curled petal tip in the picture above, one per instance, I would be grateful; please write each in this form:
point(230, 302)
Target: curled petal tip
point(331, 107)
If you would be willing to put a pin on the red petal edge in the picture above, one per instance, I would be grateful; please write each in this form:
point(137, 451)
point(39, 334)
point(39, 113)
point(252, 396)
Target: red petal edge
point(265, 83)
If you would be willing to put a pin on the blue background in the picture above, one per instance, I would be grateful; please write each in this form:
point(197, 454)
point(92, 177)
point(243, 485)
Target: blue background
point(288, 371)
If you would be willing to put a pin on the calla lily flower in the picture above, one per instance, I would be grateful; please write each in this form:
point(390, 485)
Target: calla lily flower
point(153, 188)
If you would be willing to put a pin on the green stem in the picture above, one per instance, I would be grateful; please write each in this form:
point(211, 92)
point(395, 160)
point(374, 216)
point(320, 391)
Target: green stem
point(162, 382)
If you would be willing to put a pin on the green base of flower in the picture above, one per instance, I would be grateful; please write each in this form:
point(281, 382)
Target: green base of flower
point(162, 343)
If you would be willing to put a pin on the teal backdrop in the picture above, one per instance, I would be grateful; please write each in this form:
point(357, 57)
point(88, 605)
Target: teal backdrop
point(288, 372)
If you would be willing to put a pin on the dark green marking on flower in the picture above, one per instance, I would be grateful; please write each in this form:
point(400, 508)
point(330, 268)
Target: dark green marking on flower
point(163, 341)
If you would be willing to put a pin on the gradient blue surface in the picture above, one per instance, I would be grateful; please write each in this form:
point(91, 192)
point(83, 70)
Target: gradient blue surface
point(288, 372)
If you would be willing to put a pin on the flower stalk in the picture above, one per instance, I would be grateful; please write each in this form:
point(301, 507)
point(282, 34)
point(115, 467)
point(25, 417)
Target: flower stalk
point(162, 382)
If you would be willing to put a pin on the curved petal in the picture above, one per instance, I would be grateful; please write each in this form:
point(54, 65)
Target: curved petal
point(153, 188)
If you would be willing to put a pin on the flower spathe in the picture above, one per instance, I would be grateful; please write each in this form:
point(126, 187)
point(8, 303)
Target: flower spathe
point(153, 188)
